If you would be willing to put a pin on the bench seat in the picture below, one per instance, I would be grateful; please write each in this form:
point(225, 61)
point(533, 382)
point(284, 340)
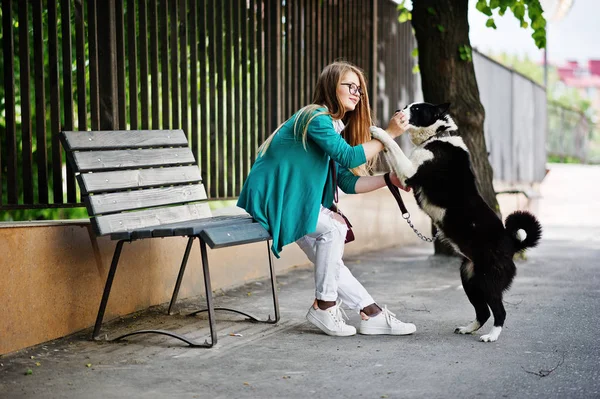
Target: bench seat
point(185, 228)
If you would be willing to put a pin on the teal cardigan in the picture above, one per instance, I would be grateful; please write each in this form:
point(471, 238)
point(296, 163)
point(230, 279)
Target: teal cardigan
point(286, 185)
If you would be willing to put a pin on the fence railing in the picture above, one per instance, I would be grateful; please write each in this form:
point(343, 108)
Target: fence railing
point(571, 135)
point(515, 121)
point(226, 71)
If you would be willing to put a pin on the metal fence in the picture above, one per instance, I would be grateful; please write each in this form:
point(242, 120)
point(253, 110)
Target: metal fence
point(226, 71)
point(515, 121)
point(571, 135)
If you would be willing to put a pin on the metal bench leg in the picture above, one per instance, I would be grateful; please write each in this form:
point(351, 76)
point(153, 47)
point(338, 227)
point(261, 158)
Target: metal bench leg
point(188, 248)
point(273, 286)
point(105, 295)
point(209, 298)
point(248, 315)
point(107, 287)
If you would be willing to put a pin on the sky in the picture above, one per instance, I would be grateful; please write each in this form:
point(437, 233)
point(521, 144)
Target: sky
point(575, 37)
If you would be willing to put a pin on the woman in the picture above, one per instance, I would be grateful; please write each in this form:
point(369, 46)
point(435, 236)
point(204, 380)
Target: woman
point(289, 190)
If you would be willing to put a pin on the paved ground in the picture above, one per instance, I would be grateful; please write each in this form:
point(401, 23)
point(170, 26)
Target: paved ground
point(548, 349)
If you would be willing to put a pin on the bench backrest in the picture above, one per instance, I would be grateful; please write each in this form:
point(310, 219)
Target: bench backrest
point(133, 179)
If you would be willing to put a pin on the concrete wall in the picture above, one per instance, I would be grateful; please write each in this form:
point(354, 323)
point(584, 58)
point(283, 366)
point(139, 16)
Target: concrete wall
point(53, 274)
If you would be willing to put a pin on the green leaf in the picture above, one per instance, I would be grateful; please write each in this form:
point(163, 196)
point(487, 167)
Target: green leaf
point(465, 53)
point(494, 4)
point(404, 16)
point(441, 28)
point(524, 25)
point(519, 11)
point(538, 23)
point(490, 23)
point(431, 11)
point(483, 7)
point(416, 69)
point(415, 52)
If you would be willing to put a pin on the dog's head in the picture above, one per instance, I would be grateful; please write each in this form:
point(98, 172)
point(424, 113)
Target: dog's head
point(426, 120)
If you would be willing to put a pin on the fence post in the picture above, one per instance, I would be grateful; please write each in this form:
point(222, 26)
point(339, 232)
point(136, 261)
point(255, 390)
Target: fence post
point(107, 64)
point(273, 65)
point(373, 64)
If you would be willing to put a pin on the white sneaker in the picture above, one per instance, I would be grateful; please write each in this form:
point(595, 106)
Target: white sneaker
point(331, 321)
point(385, 323)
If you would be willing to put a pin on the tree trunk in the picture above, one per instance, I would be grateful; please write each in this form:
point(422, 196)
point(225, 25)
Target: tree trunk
point(441, 27)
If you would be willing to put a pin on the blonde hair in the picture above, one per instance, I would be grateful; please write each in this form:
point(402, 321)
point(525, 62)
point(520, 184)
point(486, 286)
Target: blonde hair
point(357, 121)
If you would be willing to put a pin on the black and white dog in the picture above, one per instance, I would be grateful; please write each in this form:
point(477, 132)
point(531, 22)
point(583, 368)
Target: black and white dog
point(439, 172)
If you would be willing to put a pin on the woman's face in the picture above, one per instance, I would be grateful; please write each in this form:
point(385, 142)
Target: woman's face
point(349, 91)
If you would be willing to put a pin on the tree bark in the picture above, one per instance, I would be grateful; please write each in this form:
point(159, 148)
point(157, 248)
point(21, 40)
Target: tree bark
point(441, 27)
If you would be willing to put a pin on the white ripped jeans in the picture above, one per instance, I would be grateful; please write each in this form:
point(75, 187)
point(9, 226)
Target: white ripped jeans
point(325, 247)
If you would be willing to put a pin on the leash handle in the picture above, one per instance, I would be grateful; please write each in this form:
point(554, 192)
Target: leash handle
point(396, 193)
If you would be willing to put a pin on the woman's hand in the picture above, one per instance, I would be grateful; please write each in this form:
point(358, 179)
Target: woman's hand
point(397, 125)
point(396, 182)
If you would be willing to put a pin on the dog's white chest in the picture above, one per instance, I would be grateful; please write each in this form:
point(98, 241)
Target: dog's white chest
point(434, 212)
point(420, 156)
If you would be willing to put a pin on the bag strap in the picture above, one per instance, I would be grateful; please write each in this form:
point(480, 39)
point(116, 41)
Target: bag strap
point(333, 179)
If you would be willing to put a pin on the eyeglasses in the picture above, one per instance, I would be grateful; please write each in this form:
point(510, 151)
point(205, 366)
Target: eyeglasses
point(353, 89)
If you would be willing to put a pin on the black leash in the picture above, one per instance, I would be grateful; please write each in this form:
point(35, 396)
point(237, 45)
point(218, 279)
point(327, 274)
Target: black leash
point(405, 215)
point(396, 193)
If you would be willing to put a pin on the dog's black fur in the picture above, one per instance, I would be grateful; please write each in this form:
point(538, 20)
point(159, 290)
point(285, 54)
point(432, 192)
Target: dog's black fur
point(444, 186)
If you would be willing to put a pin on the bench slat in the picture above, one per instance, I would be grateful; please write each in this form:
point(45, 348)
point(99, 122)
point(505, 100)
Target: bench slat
point(114, 139)
point(87, 161)
point(128, 221)
point(136, 199)
point(137, 178)
point(225, 236)
point(187, 228)
point(190, 228)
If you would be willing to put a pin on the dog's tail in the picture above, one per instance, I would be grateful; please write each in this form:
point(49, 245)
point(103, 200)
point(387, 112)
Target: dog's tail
point(524, 229)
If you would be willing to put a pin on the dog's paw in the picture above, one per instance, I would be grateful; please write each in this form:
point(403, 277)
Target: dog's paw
point(377, 132)
point(492, 336)
point(474, 326)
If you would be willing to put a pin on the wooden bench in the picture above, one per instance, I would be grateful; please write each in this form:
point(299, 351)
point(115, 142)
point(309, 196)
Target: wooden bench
point(142, 184)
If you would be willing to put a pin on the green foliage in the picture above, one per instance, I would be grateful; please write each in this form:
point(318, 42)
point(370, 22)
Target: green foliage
point(404, 13)
point(465, 53)
point(43, 214)
point(522, 10)
point(560, 159)
point(528, 12)
point(490, 23)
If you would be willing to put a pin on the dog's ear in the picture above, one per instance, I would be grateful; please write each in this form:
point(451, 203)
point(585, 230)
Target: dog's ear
point(442, 109)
